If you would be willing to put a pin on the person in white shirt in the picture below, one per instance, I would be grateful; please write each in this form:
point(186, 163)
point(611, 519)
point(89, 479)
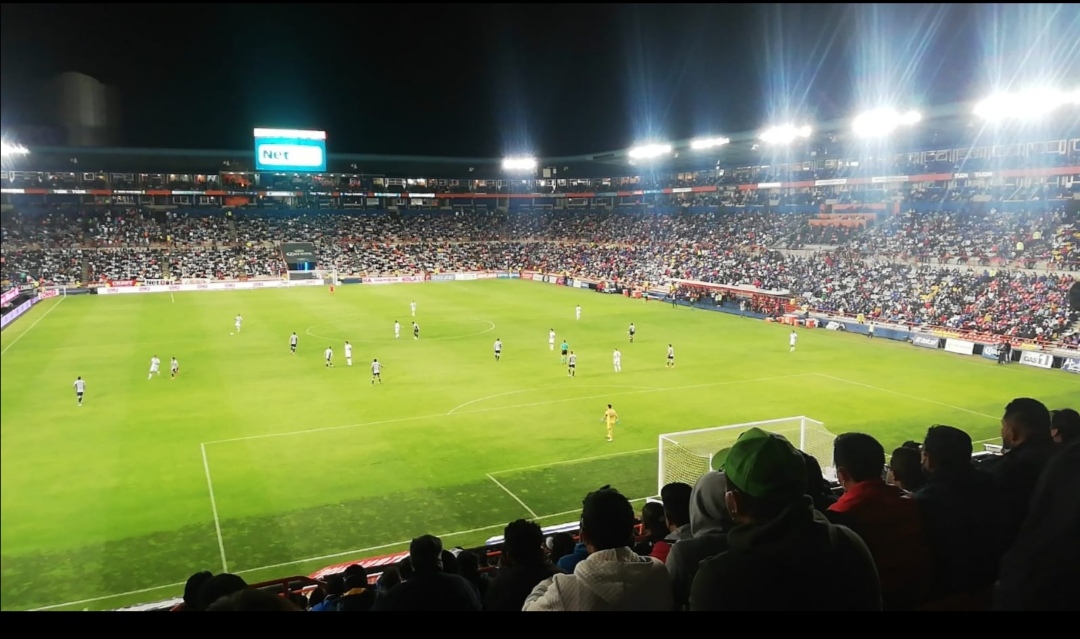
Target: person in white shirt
point(670, 356)
point(239, 320)
point(632, 332)
point(792, 339)
point(292, 342)
point(174, 368)
point(348, 354)
point(80, 388)
point(870, 334)
point(329, 357)
point(616, 359)
point(412, 308)
point(376, 369)
point(498, 349)
point(551, 339)
point(571, 363)
point(397, 330)
point(155, 367)
point(577, 312)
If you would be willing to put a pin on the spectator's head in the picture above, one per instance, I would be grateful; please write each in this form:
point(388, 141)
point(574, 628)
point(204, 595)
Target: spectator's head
point(253, 600)
point(1065, 426)
point(707, 510)
point(905, 468)
point(405, 569)
point(607, 520)
point(355, 570)
point(765, 475)
point(450, 562)
point(219, 586)
point(816, 487)
point(523, 543)
point(1025, 420)
point(389, 578)
point(335, 585)
point(561, 545)
point(676, 498)
point(356, 581)
point(468, 565)
point(858, 458)
point(946, 449)
point(191, 589)
point(653, 520)
point(426, 555)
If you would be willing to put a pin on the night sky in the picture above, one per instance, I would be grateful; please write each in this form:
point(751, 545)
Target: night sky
point(493, 80)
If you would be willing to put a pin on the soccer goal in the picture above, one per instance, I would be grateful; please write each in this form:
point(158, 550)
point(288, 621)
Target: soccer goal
point(686, 456)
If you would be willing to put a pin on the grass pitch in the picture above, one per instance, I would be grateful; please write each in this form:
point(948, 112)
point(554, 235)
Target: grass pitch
point(266, 463)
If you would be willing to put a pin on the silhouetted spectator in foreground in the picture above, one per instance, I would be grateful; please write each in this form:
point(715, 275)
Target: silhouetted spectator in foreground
point(962, 517)
point(219, 586)
point(358, 596)
point(816, 485)
point(676, 498)
point(1065, 426)
point(905, 468)
point(654, 525)
point(709, 523)
point(469, 568)
point(523, 565)
point(253, 600)
point(429, 588)
point(1040, 571)
point(613, 577)
point(560, 545)
point(782, 553)
point(191, 590)
point(886, 518)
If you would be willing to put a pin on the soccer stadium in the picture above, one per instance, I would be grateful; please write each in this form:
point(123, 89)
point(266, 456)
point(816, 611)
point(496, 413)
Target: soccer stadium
point(299, 377)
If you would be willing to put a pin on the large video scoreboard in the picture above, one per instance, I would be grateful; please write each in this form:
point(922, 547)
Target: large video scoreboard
point(290, 150)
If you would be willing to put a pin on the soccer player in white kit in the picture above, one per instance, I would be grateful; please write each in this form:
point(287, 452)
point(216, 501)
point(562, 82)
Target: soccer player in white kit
point(397, 330)
point(329, 357)
point(412, 308)
point(577, 312)
point(792, 339)
point(80, 388)
point(551, 339)
point(616, 359)
point(348, 354)
point(155, 367)
point(376, 367)
point(292, 342)
point(670, 356)
point(238, 321)
point(498, 349)
point(174, 368)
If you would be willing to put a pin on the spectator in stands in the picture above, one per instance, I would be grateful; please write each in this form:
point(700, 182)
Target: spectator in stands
point(1039, 571)
point(359, 596)
point(1026, 439)
point(613, 577)
point(961, 515)
point(219, 586)
point(655, 528)
point(253, 600)
point(1065, 426)
point(886, 518)
point(335, 590)
point(560, 545)
point(709, 523)
point(389, 578)
point(816, 486)
point(905, 468)
point(676, 498)
point(782, 553)
point(405, 569)
point(191, 590)
point(523, 564)
point(568, 563)
point(469, 568)
point(429, 588)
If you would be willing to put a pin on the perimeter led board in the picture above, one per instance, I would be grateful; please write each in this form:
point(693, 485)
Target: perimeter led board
point(290, 150)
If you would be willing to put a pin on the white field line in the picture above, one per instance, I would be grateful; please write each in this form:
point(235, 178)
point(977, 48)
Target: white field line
point(358, 551)
point(172, 297)
point(31, 327)
point(213, 507)
point(515, 497)
point(572, 461)
point(915, 397)
point(498, 408)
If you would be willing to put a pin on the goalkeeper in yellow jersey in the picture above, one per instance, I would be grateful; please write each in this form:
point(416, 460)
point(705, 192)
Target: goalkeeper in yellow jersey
point(611, 418)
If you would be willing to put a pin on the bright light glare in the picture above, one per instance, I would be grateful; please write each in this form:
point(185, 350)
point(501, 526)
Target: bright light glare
point(785, 134)
point(708, 143)
point(1026, 104)
point(882, 122)
point(649, 151)
point(13, 149)
point(519, 164)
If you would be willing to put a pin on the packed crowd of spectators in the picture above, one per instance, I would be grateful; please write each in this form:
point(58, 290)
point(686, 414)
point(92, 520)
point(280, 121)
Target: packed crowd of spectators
point(933, 526)
point(881, 270)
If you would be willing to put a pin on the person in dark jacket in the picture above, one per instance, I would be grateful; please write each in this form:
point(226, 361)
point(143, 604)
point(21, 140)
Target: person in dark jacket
point(429, 589)
point(1028, 445)
point(905, 468)
point(359, 596)
point(709, 523)
point(1039, 572)
point(655, 527)
point(523, 565)
point(782, 553)
point(960, 509)
point(1065, 426)
point(191, 590)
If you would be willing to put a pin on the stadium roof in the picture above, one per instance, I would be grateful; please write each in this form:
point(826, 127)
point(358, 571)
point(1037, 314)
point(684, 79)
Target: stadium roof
point(944, 128)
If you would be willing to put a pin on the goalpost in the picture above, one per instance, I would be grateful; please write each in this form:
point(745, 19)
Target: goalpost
point(686, 456)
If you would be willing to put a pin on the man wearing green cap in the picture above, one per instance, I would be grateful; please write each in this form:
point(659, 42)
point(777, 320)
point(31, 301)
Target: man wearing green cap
point(782, 554)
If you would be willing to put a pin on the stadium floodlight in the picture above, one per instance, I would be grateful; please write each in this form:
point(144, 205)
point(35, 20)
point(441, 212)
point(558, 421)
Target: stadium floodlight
point(882, 122)
point(13, 149)
point(708, 143)
point(785, 134)
point(1033, 103)
point(519, 164)
point(647, 151)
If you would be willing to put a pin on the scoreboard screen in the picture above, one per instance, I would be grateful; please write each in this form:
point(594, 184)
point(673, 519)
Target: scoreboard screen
point(290, 150)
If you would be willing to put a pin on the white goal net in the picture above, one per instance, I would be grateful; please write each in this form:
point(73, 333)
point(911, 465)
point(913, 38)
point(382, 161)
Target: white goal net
point(686, 456)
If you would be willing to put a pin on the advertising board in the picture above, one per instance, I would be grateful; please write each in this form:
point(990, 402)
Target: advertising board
point(290, 150)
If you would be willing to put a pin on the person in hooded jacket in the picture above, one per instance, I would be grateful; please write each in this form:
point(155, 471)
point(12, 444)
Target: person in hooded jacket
point(709, 522)
point(613, 577)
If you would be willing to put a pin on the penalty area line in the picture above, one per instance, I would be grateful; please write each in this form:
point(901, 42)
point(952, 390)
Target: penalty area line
point(515, 497)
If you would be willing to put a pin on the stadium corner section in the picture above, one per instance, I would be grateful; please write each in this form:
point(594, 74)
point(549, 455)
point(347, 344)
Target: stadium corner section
point(21, 299)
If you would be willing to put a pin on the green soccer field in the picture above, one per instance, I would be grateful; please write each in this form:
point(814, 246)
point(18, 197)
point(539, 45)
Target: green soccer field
point(264, 463)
